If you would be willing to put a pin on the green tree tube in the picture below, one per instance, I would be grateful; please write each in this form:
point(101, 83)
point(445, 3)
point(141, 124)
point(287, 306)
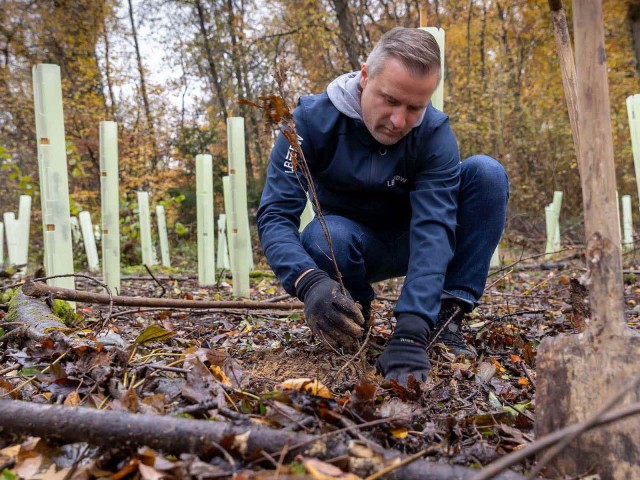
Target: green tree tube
point(54, 183)
point(24, 227)
point(162, 234)
point(306, 216)
point(633, 113)
point(11, 232)
point(86, 227)
point(627, 222)
point(145, 228)
point(206, 232)
point(223, 250)
point(242, 254)
point(228, 208)
point(110, 204)
point(438, 96)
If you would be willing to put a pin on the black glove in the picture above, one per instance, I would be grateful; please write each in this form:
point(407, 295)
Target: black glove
point(332, 316)
point(406, 352)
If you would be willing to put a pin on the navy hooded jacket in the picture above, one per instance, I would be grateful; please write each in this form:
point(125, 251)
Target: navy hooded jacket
point(416, 180)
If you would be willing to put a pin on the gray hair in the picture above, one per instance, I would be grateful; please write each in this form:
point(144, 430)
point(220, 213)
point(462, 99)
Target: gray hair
point(416, 49)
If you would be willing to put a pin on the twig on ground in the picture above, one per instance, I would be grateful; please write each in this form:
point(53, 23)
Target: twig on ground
point(350, 360)
point(164, 290)
point(395, 466)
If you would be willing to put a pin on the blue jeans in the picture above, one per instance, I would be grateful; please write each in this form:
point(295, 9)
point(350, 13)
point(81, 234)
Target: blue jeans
point(366, 255)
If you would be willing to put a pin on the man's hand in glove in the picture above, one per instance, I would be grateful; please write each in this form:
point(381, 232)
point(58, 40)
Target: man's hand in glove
point(406, 352)
point(332, 316)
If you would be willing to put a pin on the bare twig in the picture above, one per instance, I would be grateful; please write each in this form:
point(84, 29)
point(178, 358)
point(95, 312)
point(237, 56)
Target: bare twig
point(350, 361)
point(402, 463)
point(164, 290)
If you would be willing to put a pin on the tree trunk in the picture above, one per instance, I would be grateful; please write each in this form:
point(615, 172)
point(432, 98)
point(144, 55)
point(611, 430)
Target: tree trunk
point(347, 32)
point(634, 20)
point(143, 87)
point(214, 78)
point(236, 55)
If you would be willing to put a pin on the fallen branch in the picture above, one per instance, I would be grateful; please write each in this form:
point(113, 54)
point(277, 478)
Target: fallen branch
point(34, 289)
point(178, 435)
point(33, 319)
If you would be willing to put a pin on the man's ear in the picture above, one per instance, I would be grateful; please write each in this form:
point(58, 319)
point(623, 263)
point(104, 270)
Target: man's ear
point(364, 75)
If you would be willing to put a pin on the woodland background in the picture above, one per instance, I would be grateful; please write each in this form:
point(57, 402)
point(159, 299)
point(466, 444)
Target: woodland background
point(170, 73)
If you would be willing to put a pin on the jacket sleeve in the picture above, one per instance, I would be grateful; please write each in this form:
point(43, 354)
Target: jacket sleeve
point(433, 222)
point(278, 218)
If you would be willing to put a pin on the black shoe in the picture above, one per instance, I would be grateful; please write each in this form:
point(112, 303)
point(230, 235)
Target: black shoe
point(451, 313)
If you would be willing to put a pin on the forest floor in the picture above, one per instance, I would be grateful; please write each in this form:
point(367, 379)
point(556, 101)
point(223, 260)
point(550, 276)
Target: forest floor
point(468, 413)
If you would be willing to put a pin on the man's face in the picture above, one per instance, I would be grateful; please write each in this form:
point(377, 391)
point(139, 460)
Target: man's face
point(393, 100)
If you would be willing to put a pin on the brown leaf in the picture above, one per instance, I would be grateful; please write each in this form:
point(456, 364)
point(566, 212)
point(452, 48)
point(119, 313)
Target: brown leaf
point(320, 470)
point(311, 386)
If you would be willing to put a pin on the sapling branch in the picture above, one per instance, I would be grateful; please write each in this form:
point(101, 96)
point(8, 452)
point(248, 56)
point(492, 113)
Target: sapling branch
point(277, 114)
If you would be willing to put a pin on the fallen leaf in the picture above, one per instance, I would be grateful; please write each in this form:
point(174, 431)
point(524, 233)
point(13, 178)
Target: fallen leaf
point(400, 432)
point(320, 470)
point(485, 372)
point(72, 399)
point(153, 333)
point(219, 375)
point(313, 387)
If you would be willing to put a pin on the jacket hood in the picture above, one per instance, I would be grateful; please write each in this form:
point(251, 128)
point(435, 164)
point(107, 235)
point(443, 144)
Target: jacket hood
point(344, 92)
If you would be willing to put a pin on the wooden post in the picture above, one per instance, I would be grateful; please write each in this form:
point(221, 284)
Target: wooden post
point(437, 100)
point(54, 184)
point(162, 233)
point(627, 222)
point(240, 238)
point(89, 240)
point(206, 240)
point(145, 228)
point(579, 374)
point(110, 204)
point(567, 66)
point(24, 224)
